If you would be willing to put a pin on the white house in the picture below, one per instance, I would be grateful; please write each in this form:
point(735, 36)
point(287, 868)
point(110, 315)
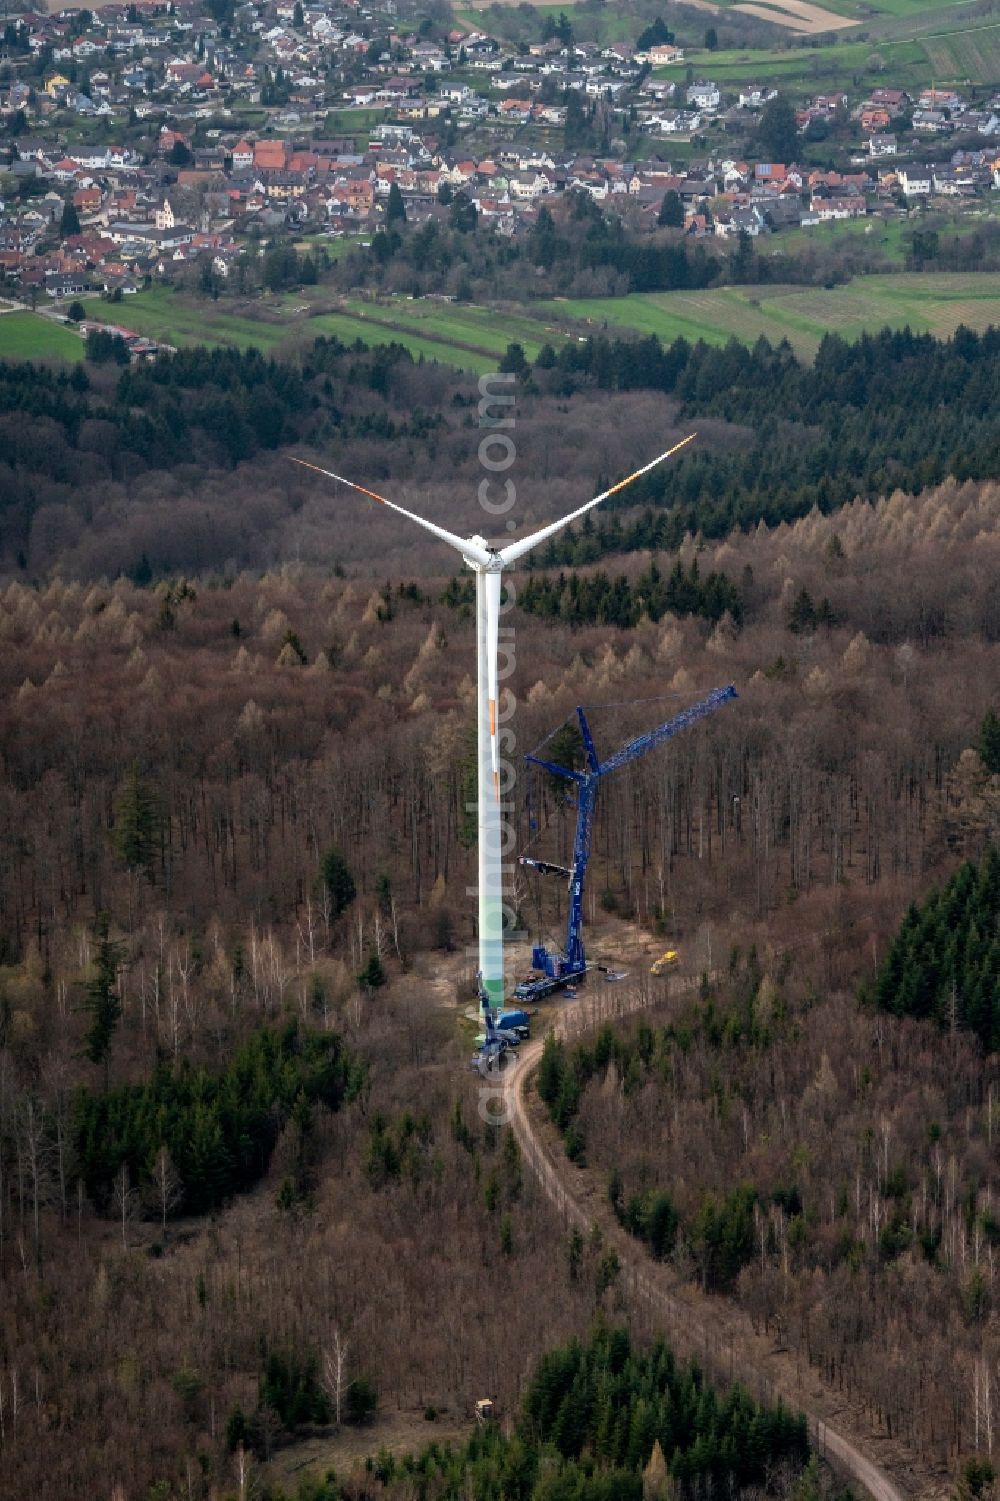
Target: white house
point(755, 95)
point(704, 95)
point(916, 181)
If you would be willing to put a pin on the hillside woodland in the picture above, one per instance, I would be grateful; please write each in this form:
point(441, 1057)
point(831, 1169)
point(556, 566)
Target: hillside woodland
point(182, 465)
point(245, 1190)
point(832, 1172)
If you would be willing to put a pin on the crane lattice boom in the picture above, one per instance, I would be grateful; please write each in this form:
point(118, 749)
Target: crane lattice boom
point(558, 970)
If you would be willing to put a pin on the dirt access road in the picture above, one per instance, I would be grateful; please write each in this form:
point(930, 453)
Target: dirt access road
point(713, 1330)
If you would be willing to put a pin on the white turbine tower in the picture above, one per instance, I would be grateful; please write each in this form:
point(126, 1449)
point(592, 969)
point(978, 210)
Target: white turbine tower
point(487, 563)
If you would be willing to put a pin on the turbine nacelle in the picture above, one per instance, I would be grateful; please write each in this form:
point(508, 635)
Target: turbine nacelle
point(481, 556)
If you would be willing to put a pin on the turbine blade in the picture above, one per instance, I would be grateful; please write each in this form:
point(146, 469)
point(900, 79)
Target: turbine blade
point(492, 583)
point(515, 550)
point(472, 551)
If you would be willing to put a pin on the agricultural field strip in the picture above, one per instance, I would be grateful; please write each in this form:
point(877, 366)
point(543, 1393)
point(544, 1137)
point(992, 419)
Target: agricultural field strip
point(473, 338)
point(348, 326)
point(920, 21)
point(974, 53)
point(935, 304)
point(843, 58)
point(797, 15)
point(480, 330)
point(927, 44)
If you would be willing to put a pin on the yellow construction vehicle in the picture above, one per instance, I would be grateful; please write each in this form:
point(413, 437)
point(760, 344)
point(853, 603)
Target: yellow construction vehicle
point(665, 961)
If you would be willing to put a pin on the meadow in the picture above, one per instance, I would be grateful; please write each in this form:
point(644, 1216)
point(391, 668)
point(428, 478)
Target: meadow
point(182, 319)
point(29, 336)
point(475, 338)
point(179, 319)
point(908, 44)
point(935, 304)
point(807, 67)
point(863, 11)
point(460, 325)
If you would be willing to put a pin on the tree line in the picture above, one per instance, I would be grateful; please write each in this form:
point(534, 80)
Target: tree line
point(583, 251)
point(892, 410)
point(66, 430)
point(577, 599)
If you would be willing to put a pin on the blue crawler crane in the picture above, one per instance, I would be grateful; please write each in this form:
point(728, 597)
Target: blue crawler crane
point(557, 971)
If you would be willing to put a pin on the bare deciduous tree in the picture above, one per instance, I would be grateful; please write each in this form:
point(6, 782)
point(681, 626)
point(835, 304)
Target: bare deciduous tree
point(125, 1200)
point(335, 1381)
point(168, 1189)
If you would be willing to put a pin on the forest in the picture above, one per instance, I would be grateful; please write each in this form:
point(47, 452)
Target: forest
point(250, 789)
point(181, 464)
point(249, 1208)
point(895, 409)
point(596, 598)
point(599, 1420)
point(218, 1132)
point(852, 1210)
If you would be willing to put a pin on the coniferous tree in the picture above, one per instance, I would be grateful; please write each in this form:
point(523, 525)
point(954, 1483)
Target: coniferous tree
point(671, 210)
point(989, 743)
point(550, 1070)
point(69, 224)
point(778, 133)
point(945, 962)
point(102, 1003)
point(372, 976)
point(337, 881)
point(138, 823)
point(395, 209)
point(658, 34)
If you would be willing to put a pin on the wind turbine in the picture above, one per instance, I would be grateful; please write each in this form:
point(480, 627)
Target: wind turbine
point(487, 563)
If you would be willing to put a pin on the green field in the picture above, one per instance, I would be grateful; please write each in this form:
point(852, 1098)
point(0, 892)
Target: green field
point(333, 248)
point(913, 46)
point(173, 318)
point(961, 55)
point(884, 236)
point(180, 319)
point(607, 24)
point(873, 10)
point(348, 326)
point(474, 338)
point(29, 336)
point(805, 69)
point(897, 8)
point(462, 326)
point(354, 122)
point(927, 304)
